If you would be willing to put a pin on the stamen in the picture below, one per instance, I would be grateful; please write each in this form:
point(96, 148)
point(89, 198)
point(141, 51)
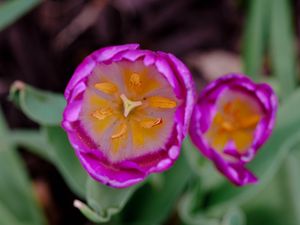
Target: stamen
point(161, 102)
point(227, 126)
point(103, 113)
point(129, 105)
point(249, 121)
point(149, 123)
point(135, 80)
point(106, 87)
point(120, 131)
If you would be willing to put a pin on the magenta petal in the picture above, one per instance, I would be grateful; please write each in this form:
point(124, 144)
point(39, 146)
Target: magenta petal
point(131, 170)
point(231, 161)
point(237, 173)
point(88, 64)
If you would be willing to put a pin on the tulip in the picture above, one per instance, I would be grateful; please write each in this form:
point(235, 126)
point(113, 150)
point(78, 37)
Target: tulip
point(232, 119)
point(128, 112)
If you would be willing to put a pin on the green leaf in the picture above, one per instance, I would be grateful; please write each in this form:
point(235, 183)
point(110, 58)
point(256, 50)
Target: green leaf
point(106, 201)
point(288, 112)
point(43, 107)
point(64, 158)
point(291, 183)
point(272, 205)
point(268, 160)
point(282, 45)
point(89, 213)
point(265, 215)
point(15, 192)
point(6, 217)
point(12, 10)
point(3, 126)
point(152, 206)
point(255, 36)
point(234, 216)
point(191, 216)
point(210, 178)
point(192, 210)
point(33, 140)
point(52, 144)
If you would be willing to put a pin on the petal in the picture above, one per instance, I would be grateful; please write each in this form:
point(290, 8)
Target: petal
point(237, 173)
point(88, 64)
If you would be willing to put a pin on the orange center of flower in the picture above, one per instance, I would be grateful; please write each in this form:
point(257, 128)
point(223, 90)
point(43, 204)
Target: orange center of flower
point(128, 109)
point(235, 121)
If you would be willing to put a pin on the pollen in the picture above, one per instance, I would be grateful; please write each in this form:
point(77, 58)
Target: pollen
point(235, 121)
point(161, 102)
point(103, 113)
point(227, 126)
point(106, 87)
point(121, 131)
point(149, 123)
point(249, 121)
point(135, 80)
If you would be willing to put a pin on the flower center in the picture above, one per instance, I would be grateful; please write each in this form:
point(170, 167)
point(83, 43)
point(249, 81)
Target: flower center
point(235, 121)
point(128, 109)
point(129, 105)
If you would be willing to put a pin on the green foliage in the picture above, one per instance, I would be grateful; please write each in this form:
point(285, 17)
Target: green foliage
point(34, 140)
point(63, 156)
point(12, 10)
point(17, 203)
point(42, 107)
point(201, 167)
point(106, 201)
point(270, 37)
point(234, 216)
point(153, 206)
point(190, 210)
point(282, 45)
point(255, 37)
point(89, 213)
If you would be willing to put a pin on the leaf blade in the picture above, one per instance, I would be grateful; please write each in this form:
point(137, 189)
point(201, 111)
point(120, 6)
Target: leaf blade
point(64, 158)
point(107, 201)
point(282, 45)
point(43, 107)
point(12, 10)
point(255, 37)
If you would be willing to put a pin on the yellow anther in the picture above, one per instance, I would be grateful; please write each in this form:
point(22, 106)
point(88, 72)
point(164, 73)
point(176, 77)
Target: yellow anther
point(149, 123)
point(161, 102)
point(129, 105)
point(249, 121)
point(122, 129)
point(135, 80)
point(227, 126)
point(101, 114)
point(106, 87)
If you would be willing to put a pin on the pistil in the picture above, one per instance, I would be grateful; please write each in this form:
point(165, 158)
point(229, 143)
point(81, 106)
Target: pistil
point(129, 105)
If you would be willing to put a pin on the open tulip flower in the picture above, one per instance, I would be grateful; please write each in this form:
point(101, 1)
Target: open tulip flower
point(232, 119)
point(128, 112)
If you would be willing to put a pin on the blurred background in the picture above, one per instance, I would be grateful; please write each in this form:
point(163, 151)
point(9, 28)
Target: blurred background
point(42, 42)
